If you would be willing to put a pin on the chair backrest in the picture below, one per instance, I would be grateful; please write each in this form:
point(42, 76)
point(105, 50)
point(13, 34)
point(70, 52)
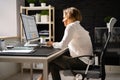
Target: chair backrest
point(102, 62)
point(110, 28)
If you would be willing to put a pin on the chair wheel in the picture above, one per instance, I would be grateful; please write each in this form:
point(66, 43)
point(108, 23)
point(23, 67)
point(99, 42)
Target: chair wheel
point(78, 77)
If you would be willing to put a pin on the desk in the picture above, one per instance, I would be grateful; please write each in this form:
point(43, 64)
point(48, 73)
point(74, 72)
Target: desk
point(33, 59)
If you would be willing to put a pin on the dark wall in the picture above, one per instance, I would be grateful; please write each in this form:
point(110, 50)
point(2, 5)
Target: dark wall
point(93, 12)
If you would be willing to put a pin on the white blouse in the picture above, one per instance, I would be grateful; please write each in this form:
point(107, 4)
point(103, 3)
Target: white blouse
point(77, 39)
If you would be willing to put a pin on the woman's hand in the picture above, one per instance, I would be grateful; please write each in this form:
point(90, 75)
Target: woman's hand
point(49, 43)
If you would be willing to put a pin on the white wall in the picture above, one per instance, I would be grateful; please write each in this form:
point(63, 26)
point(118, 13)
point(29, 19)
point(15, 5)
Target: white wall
point(9, 18)
point(9, 26)
point(8, 69)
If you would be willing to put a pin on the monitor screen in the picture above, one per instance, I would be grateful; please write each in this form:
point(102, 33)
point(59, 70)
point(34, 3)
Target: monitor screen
point(30, 27)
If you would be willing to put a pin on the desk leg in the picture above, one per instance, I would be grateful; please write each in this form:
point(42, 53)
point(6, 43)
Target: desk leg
point(21, 69)
point(31, 71)
point(45, 70)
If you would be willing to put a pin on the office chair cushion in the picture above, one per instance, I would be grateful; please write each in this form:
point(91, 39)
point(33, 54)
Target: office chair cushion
point(94, 72)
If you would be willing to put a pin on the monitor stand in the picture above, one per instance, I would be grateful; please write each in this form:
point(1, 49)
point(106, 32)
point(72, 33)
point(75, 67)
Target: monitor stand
point(30, 45)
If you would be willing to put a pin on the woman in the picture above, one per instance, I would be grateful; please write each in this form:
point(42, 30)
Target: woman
point(78, 41)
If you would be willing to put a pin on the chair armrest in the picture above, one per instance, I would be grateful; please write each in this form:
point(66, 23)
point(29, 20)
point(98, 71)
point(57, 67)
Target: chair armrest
point(87, 68)
point(90, 56)
point(97, 52)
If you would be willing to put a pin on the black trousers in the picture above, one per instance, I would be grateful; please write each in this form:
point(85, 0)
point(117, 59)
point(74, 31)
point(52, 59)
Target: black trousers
point(61, 63)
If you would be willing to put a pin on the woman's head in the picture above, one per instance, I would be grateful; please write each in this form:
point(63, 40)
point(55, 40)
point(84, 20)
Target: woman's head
point(72, 14)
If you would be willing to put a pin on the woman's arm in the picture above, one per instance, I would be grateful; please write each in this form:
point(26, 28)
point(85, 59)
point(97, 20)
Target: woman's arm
point(68, 35)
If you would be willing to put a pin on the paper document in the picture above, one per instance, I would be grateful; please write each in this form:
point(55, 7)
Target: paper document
point(20, 50)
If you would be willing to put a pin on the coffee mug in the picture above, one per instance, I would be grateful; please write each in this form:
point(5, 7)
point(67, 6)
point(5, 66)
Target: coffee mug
point(2, 44)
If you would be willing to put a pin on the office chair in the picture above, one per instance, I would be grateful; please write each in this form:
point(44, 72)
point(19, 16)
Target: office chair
point(95, 71)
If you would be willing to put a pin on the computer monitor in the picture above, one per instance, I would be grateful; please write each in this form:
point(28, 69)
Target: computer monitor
point(30, 29)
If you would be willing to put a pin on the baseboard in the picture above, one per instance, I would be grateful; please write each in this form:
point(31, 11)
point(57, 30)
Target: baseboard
point(112, 69)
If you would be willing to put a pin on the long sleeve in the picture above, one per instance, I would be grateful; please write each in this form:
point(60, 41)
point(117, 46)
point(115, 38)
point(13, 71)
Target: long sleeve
point(77, 39)
point(68, 35)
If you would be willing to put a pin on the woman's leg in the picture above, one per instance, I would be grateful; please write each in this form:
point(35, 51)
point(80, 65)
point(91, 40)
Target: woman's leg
point(62, 63)
point(54, 69)
point(56, 65)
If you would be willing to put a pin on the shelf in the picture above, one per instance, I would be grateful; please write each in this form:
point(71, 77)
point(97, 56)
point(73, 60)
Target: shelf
point(50, 23)
point(44, 22)
point(38, 8)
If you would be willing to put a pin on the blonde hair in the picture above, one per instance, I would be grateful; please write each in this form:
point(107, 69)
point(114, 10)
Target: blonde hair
point(73, 14)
